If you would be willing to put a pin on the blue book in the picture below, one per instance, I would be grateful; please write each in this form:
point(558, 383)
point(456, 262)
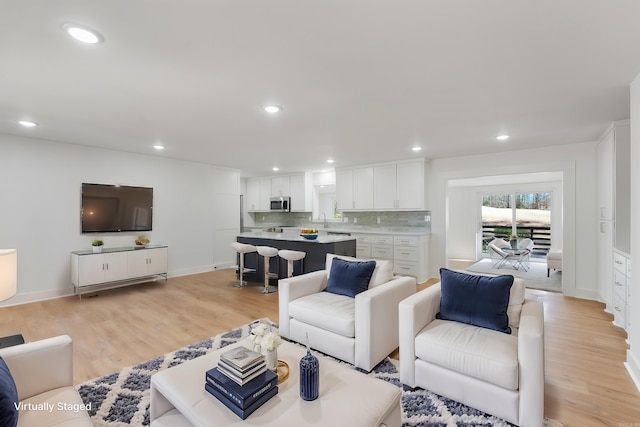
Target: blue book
point(242, 413)
point(243, 396)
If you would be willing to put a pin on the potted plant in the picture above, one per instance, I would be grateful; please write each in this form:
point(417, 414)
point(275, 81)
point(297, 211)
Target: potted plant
point(97, 245)
point(142, 241)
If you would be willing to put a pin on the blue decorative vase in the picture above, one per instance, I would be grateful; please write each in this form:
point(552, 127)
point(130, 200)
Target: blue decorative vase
point(309, 376)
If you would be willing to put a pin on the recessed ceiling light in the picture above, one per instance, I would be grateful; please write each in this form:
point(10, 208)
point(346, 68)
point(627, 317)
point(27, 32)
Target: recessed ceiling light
point(27, 123)
point(276, 169)
point(502, 137)
point(83, 34)
point(329, 160)
point(158, 146)
point(416, 149)
point(272, 108)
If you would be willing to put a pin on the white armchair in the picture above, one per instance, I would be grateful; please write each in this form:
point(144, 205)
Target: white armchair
point(361, 330)
point(494, 372)
point(43, 373)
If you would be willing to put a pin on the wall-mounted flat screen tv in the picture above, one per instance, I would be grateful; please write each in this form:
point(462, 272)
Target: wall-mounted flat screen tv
point(109, 208)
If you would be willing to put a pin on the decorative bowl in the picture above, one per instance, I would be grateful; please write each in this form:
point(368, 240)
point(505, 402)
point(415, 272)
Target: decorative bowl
point(309, 236)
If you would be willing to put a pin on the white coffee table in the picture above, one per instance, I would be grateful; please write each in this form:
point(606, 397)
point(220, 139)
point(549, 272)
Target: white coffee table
point(347, 397)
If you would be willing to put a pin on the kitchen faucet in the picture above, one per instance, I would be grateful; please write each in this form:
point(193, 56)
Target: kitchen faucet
point(325, 224)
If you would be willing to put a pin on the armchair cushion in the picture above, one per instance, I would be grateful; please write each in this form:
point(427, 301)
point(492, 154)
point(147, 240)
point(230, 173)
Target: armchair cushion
point(8, 396)
point(332, 312)
point(473, 351)
point(382, 273)
point(349, 278)
point(477, 300)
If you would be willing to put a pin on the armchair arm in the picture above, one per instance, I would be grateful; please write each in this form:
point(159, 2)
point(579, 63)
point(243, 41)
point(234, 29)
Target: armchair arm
point(293, 288)
point(531, 363)
point(40, 366)
point(376, 320)
point(414, 313)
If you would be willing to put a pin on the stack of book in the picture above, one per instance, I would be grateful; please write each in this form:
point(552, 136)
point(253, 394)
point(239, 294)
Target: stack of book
point(241, 381)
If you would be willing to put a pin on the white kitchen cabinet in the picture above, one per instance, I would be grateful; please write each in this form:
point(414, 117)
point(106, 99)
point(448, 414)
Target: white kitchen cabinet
point(621, 285)
point(399, 186)
point(301, 193)
point(344, 189)
point(410, 185)
point(258, 194)
point(605, 172)
point(354, 189)
point(382, 187)
point(363, 188)
point(116, 267)
point(280, 186)
point(613, 195)
point(410, 256)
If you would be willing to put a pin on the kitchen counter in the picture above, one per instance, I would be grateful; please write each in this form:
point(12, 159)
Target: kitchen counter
point(316, 252)
point(295, 238)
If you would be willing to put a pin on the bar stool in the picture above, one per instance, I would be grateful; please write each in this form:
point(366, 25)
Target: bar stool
point(267, 252)
point(291, 256)
point(242, 249)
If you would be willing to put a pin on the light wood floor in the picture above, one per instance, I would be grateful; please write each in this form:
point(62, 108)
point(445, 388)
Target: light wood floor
point(586, 382)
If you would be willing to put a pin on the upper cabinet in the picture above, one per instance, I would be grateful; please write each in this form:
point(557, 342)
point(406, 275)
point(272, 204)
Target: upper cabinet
point(399, 186)
point(260, 191)
point(354, 189)
point(280, 186)
point(389, 186)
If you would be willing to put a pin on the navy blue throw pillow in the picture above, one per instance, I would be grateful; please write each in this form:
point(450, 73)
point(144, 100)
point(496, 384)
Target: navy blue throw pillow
point(8, 397)
point(476, 300)
point(349, 277)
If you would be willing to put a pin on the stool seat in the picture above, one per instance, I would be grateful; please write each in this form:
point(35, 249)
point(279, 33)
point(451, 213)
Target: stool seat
point(267, 252)
point(291, 256)
point(242, 249)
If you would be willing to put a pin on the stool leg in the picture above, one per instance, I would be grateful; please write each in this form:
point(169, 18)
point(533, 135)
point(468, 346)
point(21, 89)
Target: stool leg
point(290, 268)
point(267, 289)
point(241, 282)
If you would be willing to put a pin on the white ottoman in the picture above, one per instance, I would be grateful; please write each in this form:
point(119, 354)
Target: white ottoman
point(554, 260)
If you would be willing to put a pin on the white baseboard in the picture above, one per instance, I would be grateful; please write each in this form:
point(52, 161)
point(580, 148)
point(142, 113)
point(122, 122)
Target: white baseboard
point(633, 367)
point(192, 270)
point(37, 296)
point(26, 298)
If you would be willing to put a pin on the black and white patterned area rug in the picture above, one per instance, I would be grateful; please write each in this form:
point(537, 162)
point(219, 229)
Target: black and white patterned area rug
point(122, 398)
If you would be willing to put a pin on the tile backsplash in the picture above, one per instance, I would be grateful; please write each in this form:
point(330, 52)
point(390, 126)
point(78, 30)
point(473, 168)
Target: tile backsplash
point(386, 221)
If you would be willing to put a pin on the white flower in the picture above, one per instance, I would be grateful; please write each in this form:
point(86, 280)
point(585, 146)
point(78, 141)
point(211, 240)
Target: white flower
point(270, 341)
point(258, 331)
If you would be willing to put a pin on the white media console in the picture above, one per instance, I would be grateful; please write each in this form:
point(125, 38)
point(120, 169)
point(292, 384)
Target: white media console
point(115, 267)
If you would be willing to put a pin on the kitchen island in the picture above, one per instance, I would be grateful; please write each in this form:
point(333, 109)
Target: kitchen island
point(316, 251)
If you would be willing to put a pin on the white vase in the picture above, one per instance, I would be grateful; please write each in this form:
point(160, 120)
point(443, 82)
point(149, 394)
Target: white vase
point(257, 348)
point(271, 359)
point(97, 249)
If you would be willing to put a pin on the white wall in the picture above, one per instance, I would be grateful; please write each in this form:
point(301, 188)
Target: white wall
point(576, 162)
point(633, 354)
point(40, 209)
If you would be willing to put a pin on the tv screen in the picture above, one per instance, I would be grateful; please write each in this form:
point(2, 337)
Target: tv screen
point(116, 208)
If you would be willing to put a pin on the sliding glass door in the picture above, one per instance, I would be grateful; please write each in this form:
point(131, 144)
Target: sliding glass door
point(525, 215)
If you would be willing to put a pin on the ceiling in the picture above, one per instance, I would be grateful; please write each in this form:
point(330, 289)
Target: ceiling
point(360, 81)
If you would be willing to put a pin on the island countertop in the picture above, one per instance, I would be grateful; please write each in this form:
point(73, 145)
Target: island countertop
point(294, 238)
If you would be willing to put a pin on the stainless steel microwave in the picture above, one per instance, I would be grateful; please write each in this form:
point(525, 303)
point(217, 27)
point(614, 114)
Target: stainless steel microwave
point(280, 204)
